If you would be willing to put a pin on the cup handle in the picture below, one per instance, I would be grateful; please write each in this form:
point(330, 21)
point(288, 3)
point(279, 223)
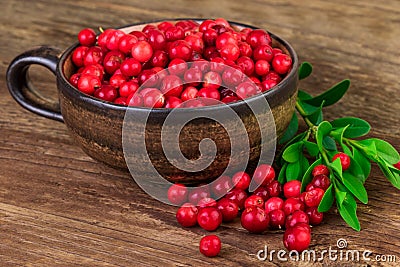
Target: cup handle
point(21, 87)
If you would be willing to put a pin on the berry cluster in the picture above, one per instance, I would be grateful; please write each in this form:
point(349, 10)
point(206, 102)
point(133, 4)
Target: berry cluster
point(166, 65)
point(270, 206)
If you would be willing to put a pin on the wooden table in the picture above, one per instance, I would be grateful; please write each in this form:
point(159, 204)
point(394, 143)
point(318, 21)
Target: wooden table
point(58, 207)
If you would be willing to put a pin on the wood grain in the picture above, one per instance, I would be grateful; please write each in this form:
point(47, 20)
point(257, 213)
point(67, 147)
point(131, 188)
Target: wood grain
point(58, 207)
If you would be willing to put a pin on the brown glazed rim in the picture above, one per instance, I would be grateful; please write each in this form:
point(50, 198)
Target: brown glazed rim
point(276, 95)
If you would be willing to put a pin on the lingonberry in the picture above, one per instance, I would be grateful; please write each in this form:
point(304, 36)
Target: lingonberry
point(177, 66)
point(171, 85)
point(174, 33)
point(224, 39)
point(254, 200)
point(228, 208)
point(207, 202)
point(263, 52)
point(217, 65)
point(210, 245)
point(226, 92)
point(87, 37)
point(135, 100)
point(153, 98)
point(297, 238)
point(258, 37)
point(113, 39)
point(209, 218)
point(272, 75)
point(190, 92)
point(237, 195)
point(141, 36)
point(344, 160)
point(121, 101)
point(315, 217)
point(296, 217)
point(142, 51)
point(282, 63)
point(94, 55)
point(193, 76)
point(221, 186)
point(178, 194)
point(117, 79)
point(262, 192)
point(186, 215)
point(96, 70)
point(74, 79)
point(163, 26)
point(274, 203)
point(159, 59)
point(88, 83)
point(103, 38)
point(198, 193)
point(196, 43)
point(112, 61)
point(180, 49)
point(246, 89)
point(277, 219)
point(268, 85)
point(246, 64)
point(126, 42)
point(209, 37)
point(320, 181)
point(264, 174)
point(172, 102)
point(245, 50)
point(320, 169)
point(313, 197)
point(290, 205)
point(130, 67)
point(309, 187)
point(241, 180)
point(212, 80)
point(261, 67)
point(209, 93)
point(292, 189)
point(149, 77)
point(79, 55)
point(106, 93)
point(156, 39)
point(230, 52)
point(274, 188)
point(211, 52)
point(254, 219)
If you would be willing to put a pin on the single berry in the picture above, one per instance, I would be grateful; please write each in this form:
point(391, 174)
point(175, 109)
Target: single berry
point(320, 169)
point(237, 195)
point(274, 203)
point(297, 238)
point(207, 202)
point(187, 215)
point(221, 186)
point(296, 217)
point(292, 189)
point(178, 194)
point(320, 181)
point(274, 188)
point(198, 193)
point(228, 208)
point(254, 219)
point(344, 160)
point(142, 51)
point(241, 180)
point(87, 37)
point(264, 174)
point(315, 217)
point(262, 192)
point(291, 205)
point(210, 245)
point(276, 219)
point(313, 197)
point(282, 63)
point(254, 200)
point(209, 218)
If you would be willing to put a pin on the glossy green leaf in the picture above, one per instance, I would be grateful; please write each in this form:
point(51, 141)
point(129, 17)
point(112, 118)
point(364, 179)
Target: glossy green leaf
point(337, 134)
point(307, 177)
point(356, 170)
point(337, 167)
point(307, 109)
point(312, 148)
point(364, 163)
point(304, 165)
point(356, 127)
point(356, 187)
point(368, 148)
point(295, 139)
point(331, 96)
point(302, 95)
point(394, 178)
point(292, 153)
point(291, 130)
point(282, 174)
point(340, 196)
point(386, 151)
point(346, 149)
point(323, 129)
point(293, 171)
point(348, 212)
point(327, 200)
point(329, 143)
point(317, 117)
point(305, 70)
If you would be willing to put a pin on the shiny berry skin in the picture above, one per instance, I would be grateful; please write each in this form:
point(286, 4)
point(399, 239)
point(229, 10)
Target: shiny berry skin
point(156, 39)
point(78, 55)
point(397, 165)
point(209, 93)
point(272, 75)
point(163, 26)
point(297, 238)
point(263, 52)
point(149, 77)
point(258, 37)
point(254, 219)
point(291, 205)
point(121, 101)
point(198, 193)
point(96, 70)
point(245, 49)
point(237, 195)
point(221, 186)
point(88, 83)
point(142, 51)
point(106, 93)
point(228, 208)
point(195, 42)
point(94, 55)
point(320, 181)
point(246, 89)
point(153, 98)
point(186, 215)
point(264, 174)
point(172, 85)
point(188, 93)
point(174, 33)
point(296, 217)
point(210, 245)
point(177, 67)
point(113, 39)
point(313, 197)
point(282, 63)
point(87, 37)
point(74, 79)
point(126, 42)
point(224, 39)
point(344, 160)
point(320, 169)
point(274, 203)
point(246, 64)
point(254, 200)
point(180, 49)
point(207, 202)
point(130, 67)
point(232, 77)
point(209, 218)
point(277, 219)
point(274, 188)
point(178, 194)
point(241, 180)
point(117, 80)
point(230, 52)
point(262, 192)
point(292, 189)
point(193, 76)
point(212, 80)
point(135, 100)
point(314, 216)
point(172, 102)
point(268, 85)
point(159, 59)
point(261, 67)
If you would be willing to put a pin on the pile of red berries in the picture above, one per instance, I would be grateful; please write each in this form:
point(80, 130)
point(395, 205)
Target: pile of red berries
point(270, 206)
point(212, 60)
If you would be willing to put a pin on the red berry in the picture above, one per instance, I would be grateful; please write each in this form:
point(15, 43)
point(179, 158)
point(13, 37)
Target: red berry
point(282, 63)
point(254, 200)
point(135, 100)
point(79, 55)
point(207, 202)
point(180, 49)
point(198, 193)
point(210, 245)
point(88, 83)
point(195, 42)
point(241, 180)
point(264, 174)
point(292, 189)
point(274, 203)
point(237, 195)
point(153, 98)
point(172, 85)
point(128, 88)
point(74, 79)
point(212, 80)
point(94, 55)
point(313, 197)
point(246, 65)
point(263, 52)
point(274, 188)
point(230, 52)
point(209, 93)
point(172, 102)
point(177, 67)
point(277, 219)
point(228, 208)
point(193, 76)
point(254, 219)
point(87, 37)
point(262, 192)
point(174, 33)
point(344, 160)
point(296, 217)
point(246, 89)
point(121, 101)
point(178, 194)
point(232, 77)
point(291, 205)
point(224, 39)
point(397, 165)
point(187, 215)
point(297, 238)
point(320, 169)
point(245, 49)
point(320, 181)
point(314, 216)
point(159, 59)
point(106, 93)
point(268, 85)
point(188, 93)
point(156, 39)
point(221, 186)
point(142, 51)
point(258, 37)
point(261, 67)
point(126, 42)
point(209, 218)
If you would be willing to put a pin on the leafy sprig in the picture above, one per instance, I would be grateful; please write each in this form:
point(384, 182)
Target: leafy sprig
point(322, 140)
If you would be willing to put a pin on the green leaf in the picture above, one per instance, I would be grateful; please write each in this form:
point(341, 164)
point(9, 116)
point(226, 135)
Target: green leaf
point(368, 148)
point(307, 109)
point(346, 149)
point(305, 70)
point(293, 171)
point(291, 130)
point(307, 177)
point(355, 187)
point(337, 167)
point(304, 164)
point(292, 153)
point(356, 170)
point(323, 129)
point(317, 116)
point(331, 96)
point(394, 178)
point(327, 200)
point(295, 139)
point(348, 212)
point(302, 95)
point(337, 134)
point(386, 151)
point(312, 148)
point(329, 143)
point(340, 196)
point(356, 126)
point(282, 174)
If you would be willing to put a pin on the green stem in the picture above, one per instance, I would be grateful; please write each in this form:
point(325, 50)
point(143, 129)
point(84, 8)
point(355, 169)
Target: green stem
point(303, 114)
